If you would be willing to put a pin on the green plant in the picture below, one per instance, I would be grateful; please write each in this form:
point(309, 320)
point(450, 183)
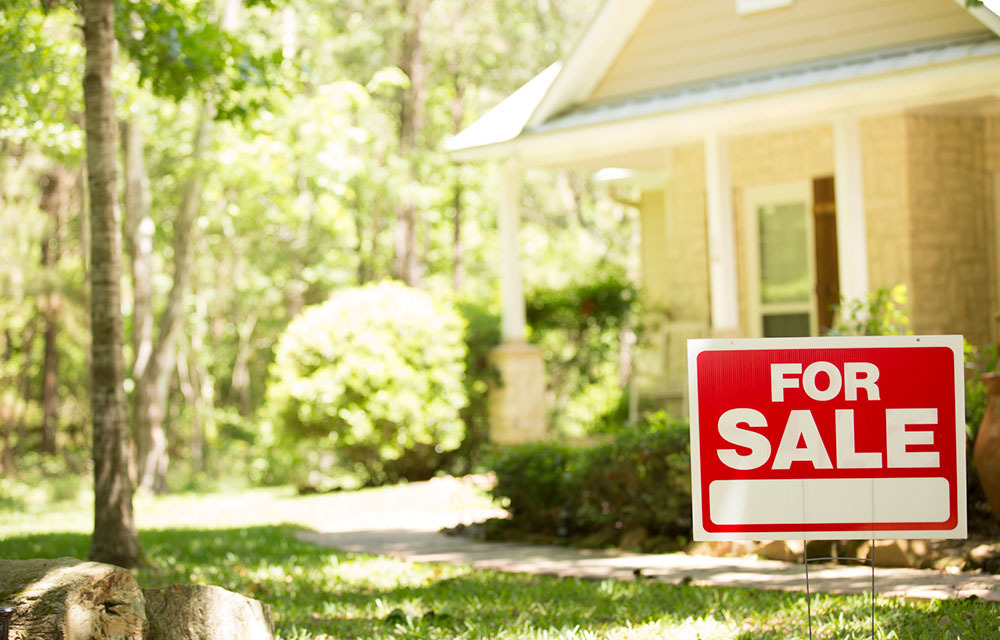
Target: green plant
point(978, 360)
point(880, 313)
point(641, 478)
point(368, 385)
point(638, 478)
point(532, 482)
point(482, 334)
point(579, 328)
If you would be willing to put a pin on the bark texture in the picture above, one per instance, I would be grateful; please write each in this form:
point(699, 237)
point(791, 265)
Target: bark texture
point(67, 599)
point(203, 612)
point(115, 539)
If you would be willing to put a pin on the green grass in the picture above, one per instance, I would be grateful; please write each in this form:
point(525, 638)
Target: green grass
point(320, 593)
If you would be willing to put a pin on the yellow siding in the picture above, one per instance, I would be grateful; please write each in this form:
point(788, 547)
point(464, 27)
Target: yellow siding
point(883, 147)
point(760, 160)
point(675, 276)
point(952, 275)
point(654, 266)
point(681, 41)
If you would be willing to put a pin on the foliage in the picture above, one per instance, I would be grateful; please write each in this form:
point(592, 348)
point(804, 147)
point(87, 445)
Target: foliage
point(638, 478)
point(178, 47)
point(482, 334)
point(532, 482)
point(303, 180)
point(372, 379)
point(881, 313)
point(978, 360)
point(321, 593)
point(641, 478)
point(579, 328)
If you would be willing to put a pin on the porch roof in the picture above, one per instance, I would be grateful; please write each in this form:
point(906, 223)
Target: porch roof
point(510, 122)
point(772, 81)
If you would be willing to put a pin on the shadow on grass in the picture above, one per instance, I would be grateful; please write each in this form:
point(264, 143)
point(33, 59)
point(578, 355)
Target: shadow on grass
point(321, 593)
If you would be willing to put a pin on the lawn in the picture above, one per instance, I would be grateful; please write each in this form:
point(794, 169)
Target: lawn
point(320, 593)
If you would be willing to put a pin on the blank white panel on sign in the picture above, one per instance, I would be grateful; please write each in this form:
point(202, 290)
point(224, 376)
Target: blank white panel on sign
point(819, 501)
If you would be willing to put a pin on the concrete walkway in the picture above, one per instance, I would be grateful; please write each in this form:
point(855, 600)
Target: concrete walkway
point(405, 522)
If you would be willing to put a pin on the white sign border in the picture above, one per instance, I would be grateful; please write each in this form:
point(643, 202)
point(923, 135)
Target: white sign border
point(953, 342)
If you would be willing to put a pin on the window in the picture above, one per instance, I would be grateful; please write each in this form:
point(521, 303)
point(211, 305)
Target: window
point(780, 274)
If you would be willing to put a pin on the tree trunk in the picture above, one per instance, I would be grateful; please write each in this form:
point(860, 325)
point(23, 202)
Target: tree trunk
point(186, 383)
point(7, 409)
point(406, 264)
point(23, 399)
point(153, 385)
point(139, 230)
point(457, 116)
point(115, 539)
point(56, 186)
point(241, 366)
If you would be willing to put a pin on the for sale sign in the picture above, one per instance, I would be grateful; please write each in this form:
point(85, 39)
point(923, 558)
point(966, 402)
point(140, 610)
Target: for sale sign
point(827, 438)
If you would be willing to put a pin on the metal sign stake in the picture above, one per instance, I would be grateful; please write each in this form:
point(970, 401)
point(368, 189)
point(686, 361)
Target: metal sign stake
point(806, 560)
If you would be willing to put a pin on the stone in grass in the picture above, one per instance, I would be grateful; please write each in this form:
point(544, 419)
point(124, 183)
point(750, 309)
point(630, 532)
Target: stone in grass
point(67, 599)
point(202, 612)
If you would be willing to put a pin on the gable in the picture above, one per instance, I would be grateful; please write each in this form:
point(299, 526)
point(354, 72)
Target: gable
point(680, 41)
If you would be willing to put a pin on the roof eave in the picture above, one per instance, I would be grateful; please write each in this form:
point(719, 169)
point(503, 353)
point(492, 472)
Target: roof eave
point(986, 13)
point(583, 146)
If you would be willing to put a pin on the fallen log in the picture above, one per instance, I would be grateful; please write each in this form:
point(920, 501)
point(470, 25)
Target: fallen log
point(67, 599)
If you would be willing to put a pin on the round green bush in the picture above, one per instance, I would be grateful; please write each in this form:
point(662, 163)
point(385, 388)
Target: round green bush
point(367, 386)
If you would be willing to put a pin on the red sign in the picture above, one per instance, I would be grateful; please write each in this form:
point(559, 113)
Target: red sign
point(828, 438)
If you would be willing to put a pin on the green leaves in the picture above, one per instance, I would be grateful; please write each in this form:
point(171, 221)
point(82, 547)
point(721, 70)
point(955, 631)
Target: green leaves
point(372, 379)
point(180, 49)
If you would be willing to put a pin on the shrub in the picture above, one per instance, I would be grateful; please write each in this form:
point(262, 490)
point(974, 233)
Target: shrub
point(482, 334)
point(640, 478)
point(369, 385)
point(532, 483)
point(578, 328)
point(880, 313)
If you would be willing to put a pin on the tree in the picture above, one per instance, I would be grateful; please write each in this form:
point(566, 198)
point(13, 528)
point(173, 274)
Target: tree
point(115, 539)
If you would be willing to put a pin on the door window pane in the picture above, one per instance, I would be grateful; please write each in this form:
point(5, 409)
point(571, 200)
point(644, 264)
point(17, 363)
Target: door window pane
point(784, 259)
point(786, 325)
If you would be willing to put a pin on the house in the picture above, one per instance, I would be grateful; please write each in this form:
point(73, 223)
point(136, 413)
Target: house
point(788, 153)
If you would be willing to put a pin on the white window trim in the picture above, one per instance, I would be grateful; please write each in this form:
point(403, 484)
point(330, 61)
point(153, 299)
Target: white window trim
point(798, 191)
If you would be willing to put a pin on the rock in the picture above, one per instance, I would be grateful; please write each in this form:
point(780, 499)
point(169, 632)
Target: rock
point(67, 599)
point(783, 550)
point(986, 451)
point(200, 612)
point(895, 553)
point(985, 557)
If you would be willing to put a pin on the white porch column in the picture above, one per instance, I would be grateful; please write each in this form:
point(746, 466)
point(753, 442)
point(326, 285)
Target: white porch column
point(852, 243)
point(512, 324)
point(517, 403)
point(721, 238)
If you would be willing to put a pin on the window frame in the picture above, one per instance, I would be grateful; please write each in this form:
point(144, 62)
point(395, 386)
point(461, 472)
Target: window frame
point(799, 191)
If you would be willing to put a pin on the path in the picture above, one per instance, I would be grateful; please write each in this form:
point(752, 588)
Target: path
point(404, 521)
